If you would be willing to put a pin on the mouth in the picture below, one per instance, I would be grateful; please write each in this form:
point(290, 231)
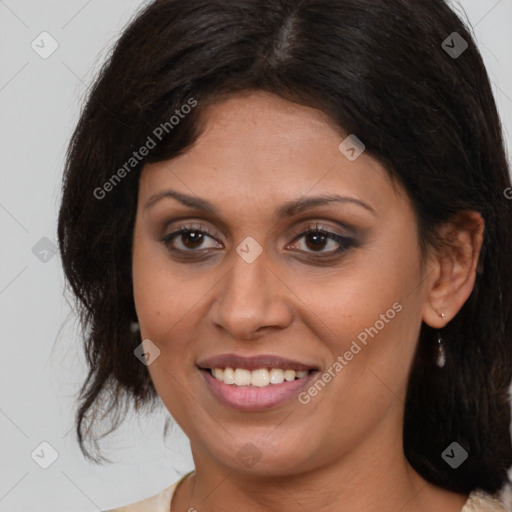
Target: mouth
point(254, 383)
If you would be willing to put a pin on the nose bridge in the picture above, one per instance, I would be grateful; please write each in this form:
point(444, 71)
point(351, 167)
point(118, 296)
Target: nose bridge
point(250, 296)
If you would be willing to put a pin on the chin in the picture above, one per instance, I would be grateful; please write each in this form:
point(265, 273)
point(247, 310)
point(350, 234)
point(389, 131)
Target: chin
point(261, 456)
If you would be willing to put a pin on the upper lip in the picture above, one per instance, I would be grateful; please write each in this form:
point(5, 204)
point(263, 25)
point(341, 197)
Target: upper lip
point(253, 362)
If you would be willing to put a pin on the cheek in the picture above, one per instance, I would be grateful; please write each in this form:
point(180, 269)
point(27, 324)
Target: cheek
point(370, 312)
point(169, 303)
point(158, 294)
point(164, 302)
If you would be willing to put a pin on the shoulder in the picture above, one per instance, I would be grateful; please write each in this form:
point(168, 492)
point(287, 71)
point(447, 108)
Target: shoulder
point(480, 501)
point(158, 503)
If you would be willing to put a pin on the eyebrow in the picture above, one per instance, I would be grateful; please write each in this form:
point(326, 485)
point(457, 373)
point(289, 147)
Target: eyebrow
point(287, 209)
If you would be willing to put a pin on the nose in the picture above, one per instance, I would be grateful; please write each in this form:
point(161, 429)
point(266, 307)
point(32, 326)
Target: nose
point(251, 300)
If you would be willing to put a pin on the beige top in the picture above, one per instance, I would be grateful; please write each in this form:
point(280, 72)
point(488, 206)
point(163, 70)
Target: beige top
point(478, 501)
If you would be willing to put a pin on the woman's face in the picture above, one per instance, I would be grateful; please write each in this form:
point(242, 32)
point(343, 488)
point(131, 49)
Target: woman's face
point(246, 287)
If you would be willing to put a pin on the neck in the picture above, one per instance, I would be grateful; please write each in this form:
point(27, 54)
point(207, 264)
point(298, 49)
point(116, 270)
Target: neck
point(373, 475)
point(384, 486)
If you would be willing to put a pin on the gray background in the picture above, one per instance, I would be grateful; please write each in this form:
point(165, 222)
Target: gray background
point(42, 364)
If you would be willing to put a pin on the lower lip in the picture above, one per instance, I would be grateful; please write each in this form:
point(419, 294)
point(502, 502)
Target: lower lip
point(252, 398)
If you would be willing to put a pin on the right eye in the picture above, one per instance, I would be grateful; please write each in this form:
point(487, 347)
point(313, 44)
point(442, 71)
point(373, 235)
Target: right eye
point(188, 238)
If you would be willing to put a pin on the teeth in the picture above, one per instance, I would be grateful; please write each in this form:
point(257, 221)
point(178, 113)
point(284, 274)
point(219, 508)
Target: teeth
point(242, 377)
point(276, 376)
point(218, 373)
point(228, 375)
point(289, 375)
point(259, 378)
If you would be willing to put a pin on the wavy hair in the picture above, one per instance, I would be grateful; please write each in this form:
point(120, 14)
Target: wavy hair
point(379, 70)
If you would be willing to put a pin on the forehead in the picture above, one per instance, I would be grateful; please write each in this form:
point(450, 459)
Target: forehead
point(259, 148)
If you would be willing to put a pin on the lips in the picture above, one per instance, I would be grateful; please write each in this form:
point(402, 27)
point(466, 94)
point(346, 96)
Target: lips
point(259, 395)
point(253, 363)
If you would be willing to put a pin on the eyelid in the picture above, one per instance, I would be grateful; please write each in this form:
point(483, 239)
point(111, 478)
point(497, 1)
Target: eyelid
point(314, 225)
point(319, 226)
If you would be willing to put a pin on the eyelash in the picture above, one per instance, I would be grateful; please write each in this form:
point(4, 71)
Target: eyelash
point(345, 242)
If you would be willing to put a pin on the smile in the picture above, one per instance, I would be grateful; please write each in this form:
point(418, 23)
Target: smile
point(254, 383)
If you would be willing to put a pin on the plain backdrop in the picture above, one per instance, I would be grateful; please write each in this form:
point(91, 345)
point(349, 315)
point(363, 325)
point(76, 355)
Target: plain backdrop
point(42, 362)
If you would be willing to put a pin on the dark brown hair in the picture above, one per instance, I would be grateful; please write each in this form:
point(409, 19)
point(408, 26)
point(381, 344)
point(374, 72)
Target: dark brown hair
point(379, 70)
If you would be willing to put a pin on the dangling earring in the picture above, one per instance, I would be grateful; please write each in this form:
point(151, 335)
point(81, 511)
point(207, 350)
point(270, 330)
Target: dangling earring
point(441, 356)
point(134, 327)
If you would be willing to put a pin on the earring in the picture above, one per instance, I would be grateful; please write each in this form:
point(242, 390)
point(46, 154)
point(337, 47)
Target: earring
point(134, 327)
point(441, 356)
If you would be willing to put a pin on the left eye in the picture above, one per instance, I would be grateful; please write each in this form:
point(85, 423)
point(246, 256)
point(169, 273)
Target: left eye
point(318, 239)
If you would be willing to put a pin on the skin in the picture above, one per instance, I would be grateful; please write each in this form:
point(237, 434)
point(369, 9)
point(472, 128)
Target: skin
point(343, 450)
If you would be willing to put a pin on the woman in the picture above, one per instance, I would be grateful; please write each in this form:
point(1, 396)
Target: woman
point(287, 220)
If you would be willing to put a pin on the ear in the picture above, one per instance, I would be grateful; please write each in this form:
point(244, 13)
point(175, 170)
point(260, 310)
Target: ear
point(452, 267)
